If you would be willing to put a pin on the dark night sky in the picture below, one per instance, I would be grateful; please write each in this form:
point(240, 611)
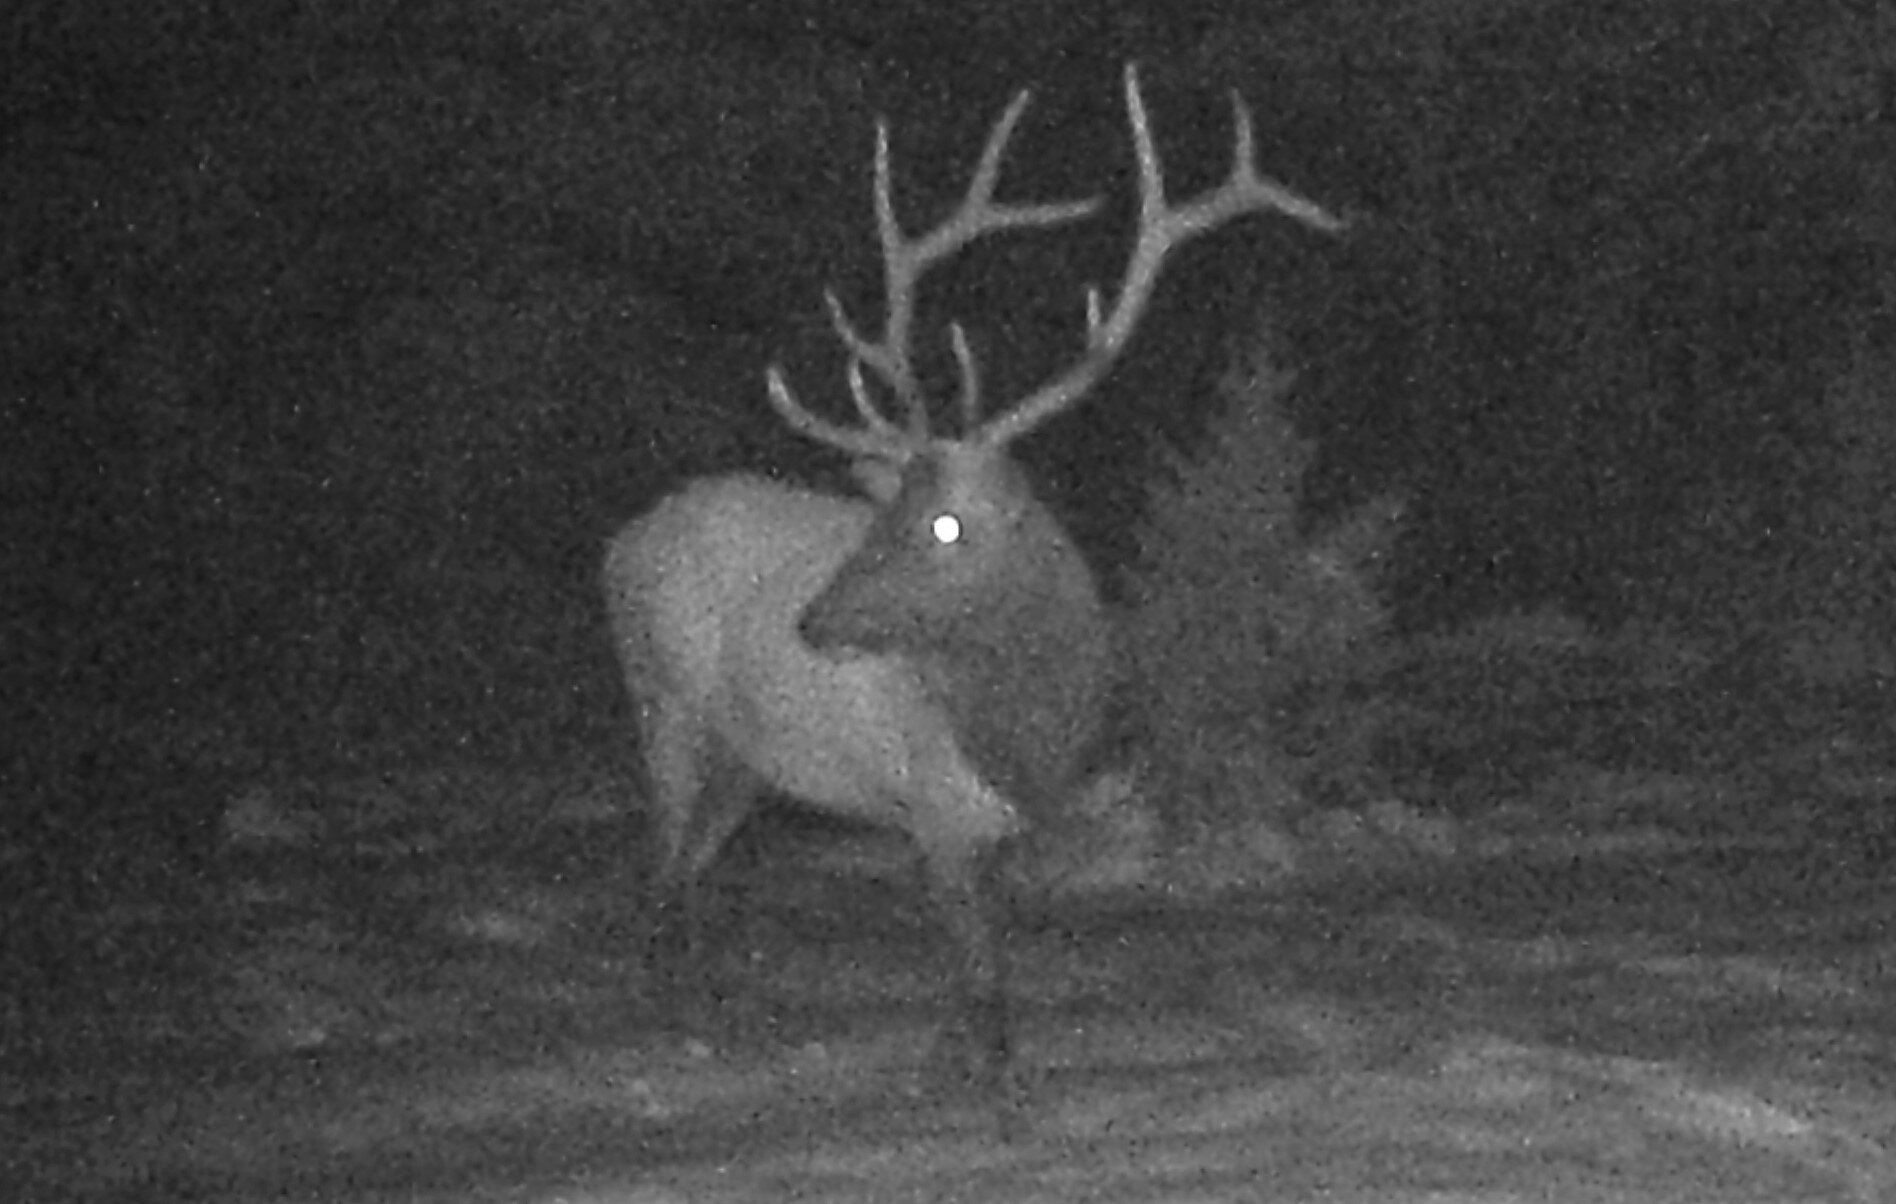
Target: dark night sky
point(292, 310)
point(1611, 224)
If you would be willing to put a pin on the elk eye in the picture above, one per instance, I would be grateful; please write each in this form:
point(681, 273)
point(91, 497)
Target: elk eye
point(946, 528)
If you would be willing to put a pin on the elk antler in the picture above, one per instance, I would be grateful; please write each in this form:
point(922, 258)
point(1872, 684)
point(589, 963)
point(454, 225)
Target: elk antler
point(1161, 229)
point(904, 262)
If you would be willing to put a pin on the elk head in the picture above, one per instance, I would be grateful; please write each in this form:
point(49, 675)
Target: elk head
point(964, 570)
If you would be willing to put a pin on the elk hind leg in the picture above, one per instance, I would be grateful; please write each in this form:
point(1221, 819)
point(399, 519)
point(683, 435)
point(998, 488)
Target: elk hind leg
point(701, 794)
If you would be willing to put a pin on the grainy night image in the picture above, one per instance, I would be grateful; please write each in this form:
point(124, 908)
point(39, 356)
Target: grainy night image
point(1064, 600)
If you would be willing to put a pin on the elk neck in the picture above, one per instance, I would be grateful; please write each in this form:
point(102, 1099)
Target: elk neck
point(1003, 625)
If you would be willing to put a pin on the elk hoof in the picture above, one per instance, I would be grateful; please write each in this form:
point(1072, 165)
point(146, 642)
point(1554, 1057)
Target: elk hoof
point(671, 947)
point(670, 938)
point(975, 1056)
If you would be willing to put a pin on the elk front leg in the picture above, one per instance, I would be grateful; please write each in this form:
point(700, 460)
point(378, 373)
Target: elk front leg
point(961, 881)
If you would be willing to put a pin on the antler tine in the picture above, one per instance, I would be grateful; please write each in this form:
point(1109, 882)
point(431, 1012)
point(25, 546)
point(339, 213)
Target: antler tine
point(872, 418)
point(906, 259)
point(878, 437)
point(970, 378)
point(891, 368)
point(1161, 229)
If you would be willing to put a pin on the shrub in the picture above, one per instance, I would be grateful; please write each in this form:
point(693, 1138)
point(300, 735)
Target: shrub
point(1248, 638)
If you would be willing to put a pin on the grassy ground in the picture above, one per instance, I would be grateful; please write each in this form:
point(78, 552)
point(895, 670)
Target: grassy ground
point(409, 1008)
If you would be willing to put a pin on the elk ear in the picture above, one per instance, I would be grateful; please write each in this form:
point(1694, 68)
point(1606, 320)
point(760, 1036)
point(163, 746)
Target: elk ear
point(880, 478)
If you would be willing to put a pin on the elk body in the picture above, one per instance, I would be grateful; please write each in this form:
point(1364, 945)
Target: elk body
point(933, 659)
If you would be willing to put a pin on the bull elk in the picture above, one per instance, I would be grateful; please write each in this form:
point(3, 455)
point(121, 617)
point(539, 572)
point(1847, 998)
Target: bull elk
point(932, 659)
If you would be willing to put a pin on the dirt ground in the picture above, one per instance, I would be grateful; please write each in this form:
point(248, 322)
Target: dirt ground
point(461, 1018)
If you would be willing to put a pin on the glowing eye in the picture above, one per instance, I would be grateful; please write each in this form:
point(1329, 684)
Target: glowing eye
point(946, 528)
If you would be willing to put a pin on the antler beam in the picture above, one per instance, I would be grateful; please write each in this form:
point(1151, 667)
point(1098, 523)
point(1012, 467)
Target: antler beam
point(905, 260)
point(1161, 229)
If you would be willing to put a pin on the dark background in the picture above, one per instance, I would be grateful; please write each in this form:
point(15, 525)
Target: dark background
point(336, 338)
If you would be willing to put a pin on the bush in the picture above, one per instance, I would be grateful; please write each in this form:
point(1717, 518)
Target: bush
point(1251, 643)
